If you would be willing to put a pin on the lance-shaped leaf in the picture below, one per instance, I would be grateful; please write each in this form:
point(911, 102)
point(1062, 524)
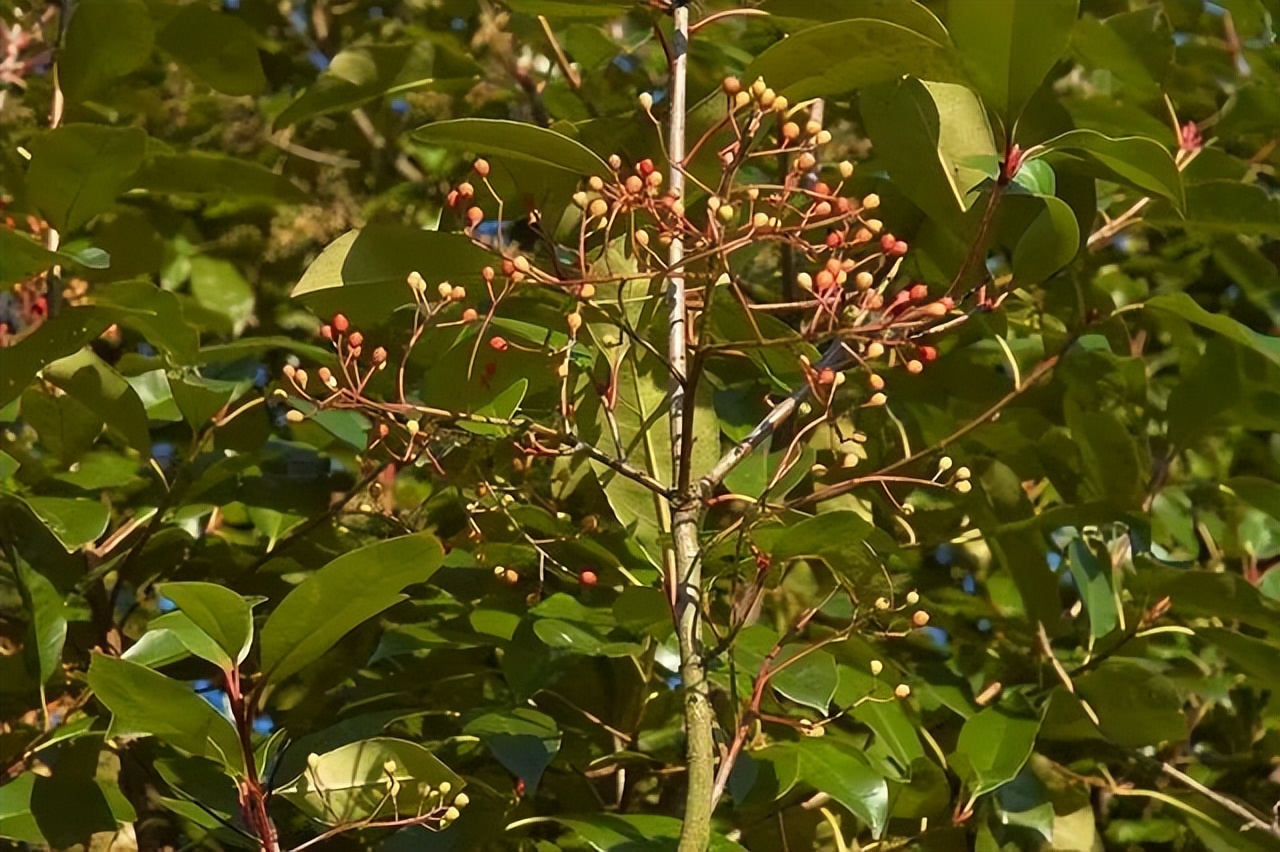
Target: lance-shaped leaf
point(840, 771)
point(1134, 161)
point(146, 703)
point(992, 749)
point(47, 627)
point(802, 14)
point(97, 385)
point(77, 170)
point(354, 783)
point(340, 596)
point(221, 613)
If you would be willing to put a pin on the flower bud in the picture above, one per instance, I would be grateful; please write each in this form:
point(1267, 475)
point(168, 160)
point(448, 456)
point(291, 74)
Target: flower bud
point(445, 289)
point(780, 104)
point(914, 367)
point(470, 315)
point(575, 322)
point(877, 399)
point(875, 349)
point(846, 171)
point(758, 87)
point(340, 323)
point(823, 137)
point(356, 340)
point(913, 597)
point(293, 415)
point(379, 355)
point(474, 216)
point(413, 426)
point(461, 800)
point(580, 198)
point(964, 486)
point(457, 294)
point(731, 85)
point(587, 291)
point(790, 131)
point(876, 667)
point(876, 382)
point(863, 280)
point(481, 167)
point(805, 280)
point(726, 213)
point(871, 201)
point(963, 473)
point(806, 161)
point(451, 814)
point(902, 690)
point(741, 99)
point(646, 101)
point(598, 208)
point(882, 604)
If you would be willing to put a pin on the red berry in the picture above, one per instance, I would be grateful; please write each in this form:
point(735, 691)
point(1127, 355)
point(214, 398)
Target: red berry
point(326, 331)
point(899, 249)
point(645, 167)
point(834, 240)
point(919, 292)
point(498, 343)
point(588, 578)
point(887, 241)
point(356, 339)
point(340, 323)
point(928, 353)
point(948, 302)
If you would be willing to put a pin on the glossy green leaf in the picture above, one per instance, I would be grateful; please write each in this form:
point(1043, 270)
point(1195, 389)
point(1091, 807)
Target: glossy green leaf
point(1008, 46)
point(1182, 305)
point(67, 427)
point(569, 9)
point(1135, 161)
point(154, 313)
point(841, 772)
point(104, 41)
point(146, 703)
point(221, 613)
point(810, 681)
point(844, 540)
point(928, 136)
point(503, 407)
point(197, 174)
point(993, 747)
point(351, 783)
point(514, 141)
point(74, 522)
point(605, 832)
point(1049, 242)
point(216, 48)
point(22, 257)
point(1094, 583)
point(855, 54)
point(364, 273)
point(1262, 494)
point(1136, 48)
point(1207, 594)
point(522, 740)
point(218, 285)
point(47, 621)
point(358, 75)
point(1135, 705)
point(78, 170)
point(59, 337)
point(1258, 659)
point(173, 636)
point(96, 385)
point(801, 14)
point(339, 597)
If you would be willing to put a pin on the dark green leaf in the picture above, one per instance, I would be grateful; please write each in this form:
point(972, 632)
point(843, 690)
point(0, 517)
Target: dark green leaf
point(1135, 161)
point(74, 522)
point(523, 740)
point(105, 40)
point(1223, 207)
point(1093, 581)
point(96, 385)
point(215, 48)
point(629, 832)
point(1135, 706)
point(196, 174)
point(146, 703)
point(1206, 594)
point(78, 170)
point(993, 746)
point(340, 596)
point(802, 14)
point(47, 627)
point(842, 773)
point(1008, 46)
point(1048, 244)
point(1182, 305)
point(221, 613)
point(515, 141)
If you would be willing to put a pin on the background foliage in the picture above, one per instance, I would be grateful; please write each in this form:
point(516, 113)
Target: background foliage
point(211, 593)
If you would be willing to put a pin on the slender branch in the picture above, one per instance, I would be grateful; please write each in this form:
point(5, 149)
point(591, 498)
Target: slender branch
point(570, 73)
point(1236, 808)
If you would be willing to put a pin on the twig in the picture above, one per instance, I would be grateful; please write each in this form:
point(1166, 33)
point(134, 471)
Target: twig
point(570, 73)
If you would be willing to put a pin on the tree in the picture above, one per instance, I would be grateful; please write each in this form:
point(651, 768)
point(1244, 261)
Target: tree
point(623, 426)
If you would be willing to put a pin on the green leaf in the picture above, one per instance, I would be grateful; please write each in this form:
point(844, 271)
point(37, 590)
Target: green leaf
point(78, 170)
point(1182, 305)
point(522, 740)
point(215, 177)
point(993, 746)
point(33, 807)
point(842, 773)
point(215, 48)
point(502, 407)
point(1093, 581)
point(1135, 161)
point(1136, 707)
point(154, 313)
point(1136, 48)
point(852, 547)
point(1258, 659)
point(56, 338)
point(47, 628)
point(1206, 594)
point(801, 14)
point(1049, 242)
point(351, 783)
point(1008, 46)
point(606, 832)
point(1262, 494)
point(98, 386)
point(358, 75)
point(66, 426)
point(928, 135)
point(753, 475)
point(364, 273)
point(811, 681)
point(22, 257)
point(218, 285)
point(146, 703)
point(514, 141)
point(72, 521)
point(837, 58)
point(219, 612)
point(1229, 387)
point(340, 596)
point(172, 637)
point(569, 9)
point(1223, 207)
point(104, 41)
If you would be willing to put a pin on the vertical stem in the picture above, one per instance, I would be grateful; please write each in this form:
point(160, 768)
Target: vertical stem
point(695, 833)
point(253, 798)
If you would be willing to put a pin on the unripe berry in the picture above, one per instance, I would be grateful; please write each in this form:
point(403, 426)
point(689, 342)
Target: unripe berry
point(646, 101)
point(595, 184)
point(963, 473)
point(289, 371)
point(726, 213)
point(823, 137)
point(642, 237)
point(474, 216)
point(587, 291)
point(510, 577)
point(913, 597)
point(340, 323)
point(863, 280)
point(575, 322)
point(767, 97)
point(481, 167)
point(580, 198)
point(356, 340)
point(825, 280)
point(325, 374)
point(928, 354)
point(871, 202)
point(887, 241)
point(805, 280)
point(914, 367)
point(882, 604)
point(646, 167)
point(653, 180)
point(834, 240)
point(414, 427)
point(920, 618)
point(758, 87)
point(466, 190)
point(918, 292)
point(790, 131)
point(326, 331)
point(846, 171)
point(877, 399)
point(598, 208)
point(470, 315)
point(294, 416)
point(634, 185)
point(902, 690)
point(487, 274)
point(379, 355)
point(741, 99)
point(899, 249)
point(875, 349)
point(780, 104)
point(806, 161)
point(760, 220)
point(615, 162)
point(876, 381)
point(588, 578)
point(822, 209)
point(498, 344)
point(444, 288)
point(876, 667)
point(457, 294)
point(521, 263)
point(964, 486)
point(731, 85)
